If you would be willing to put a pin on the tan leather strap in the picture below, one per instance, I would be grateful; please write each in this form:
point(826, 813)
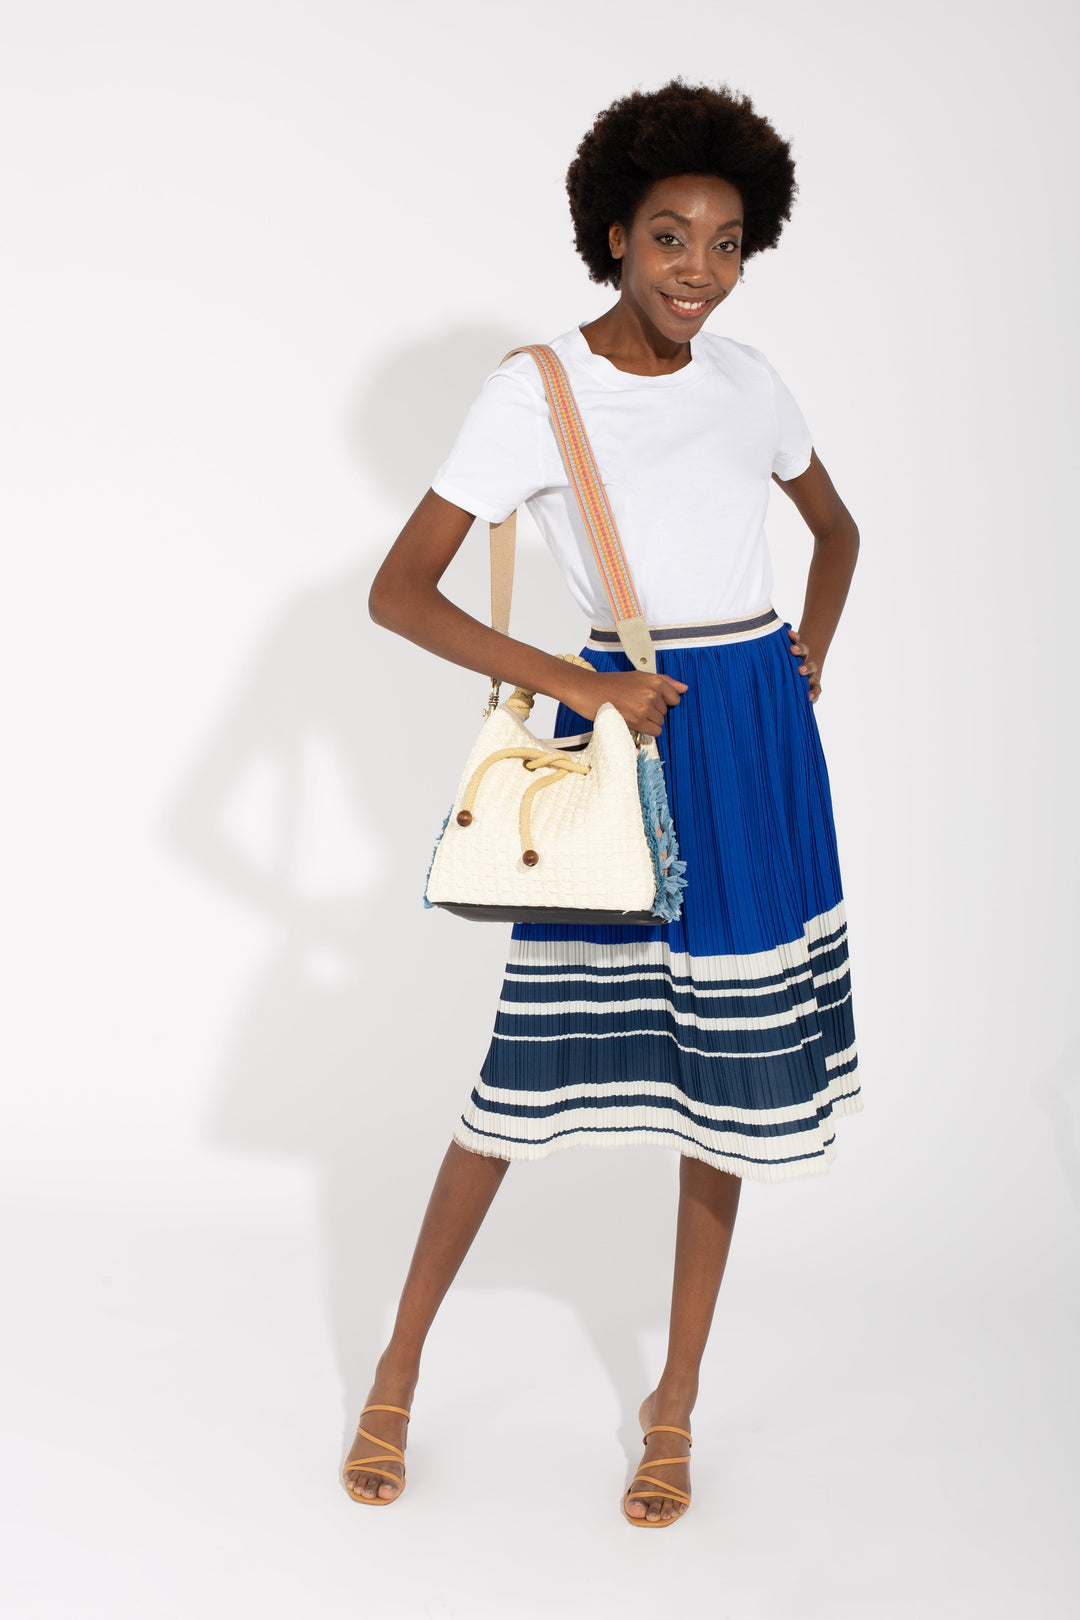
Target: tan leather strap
point(503, 538)
point(670, 1427)
point(377, 1439)
point(658, 1462)
point(668, 1490)
point(581, 472)
point(363, 1465)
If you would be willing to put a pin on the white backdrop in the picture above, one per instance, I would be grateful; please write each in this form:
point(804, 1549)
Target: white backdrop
point(258, 260)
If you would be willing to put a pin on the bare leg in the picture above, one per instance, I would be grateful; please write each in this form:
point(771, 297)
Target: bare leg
point(462, 1194)
point(708, 1204)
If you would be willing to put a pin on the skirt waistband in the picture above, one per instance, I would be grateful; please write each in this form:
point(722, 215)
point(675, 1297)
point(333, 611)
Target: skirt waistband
point(744, 628)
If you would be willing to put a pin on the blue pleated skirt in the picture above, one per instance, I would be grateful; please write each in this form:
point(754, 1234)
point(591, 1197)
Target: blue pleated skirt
point(727, 1035)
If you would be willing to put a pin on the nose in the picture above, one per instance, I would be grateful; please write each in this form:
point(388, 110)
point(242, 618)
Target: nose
point(694, 270)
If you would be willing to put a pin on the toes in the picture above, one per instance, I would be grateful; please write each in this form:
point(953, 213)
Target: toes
point(635, 1507)
point(387, 1488)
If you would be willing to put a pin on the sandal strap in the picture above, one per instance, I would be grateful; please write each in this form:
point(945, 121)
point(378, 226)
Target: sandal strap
point(360, 1462)
point(672, 1427)
point(389, 1444)
point(363, 1464)
point(666, 1489)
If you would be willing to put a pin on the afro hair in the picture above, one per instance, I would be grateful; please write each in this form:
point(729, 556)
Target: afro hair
point(678, 129)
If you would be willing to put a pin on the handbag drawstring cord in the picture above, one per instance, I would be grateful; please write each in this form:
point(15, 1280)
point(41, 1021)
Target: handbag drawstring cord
point(534, 759)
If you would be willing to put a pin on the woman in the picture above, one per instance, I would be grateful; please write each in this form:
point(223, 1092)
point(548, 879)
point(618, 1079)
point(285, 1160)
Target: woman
point(728, 1033)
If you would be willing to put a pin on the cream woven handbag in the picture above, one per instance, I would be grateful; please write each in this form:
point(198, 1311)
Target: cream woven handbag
point(569, 829)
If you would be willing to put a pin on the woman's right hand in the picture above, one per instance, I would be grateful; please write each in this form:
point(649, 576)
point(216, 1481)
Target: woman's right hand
point(642, 699)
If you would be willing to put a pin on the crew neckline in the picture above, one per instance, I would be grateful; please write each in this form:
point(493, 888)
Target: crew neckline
point(604, 371)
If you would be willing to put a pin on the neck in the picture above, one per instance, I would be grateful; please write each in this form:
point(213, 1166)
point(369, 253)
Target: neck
point(625, 336)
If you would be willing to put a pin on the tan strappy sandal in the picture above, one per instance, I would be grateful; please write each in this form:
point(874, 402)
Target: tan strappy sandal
point(362, 1465)
point(665, 1490)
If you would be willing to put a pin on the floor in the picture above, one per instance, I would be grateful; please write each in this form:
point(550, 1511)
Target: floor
point(885, 1443)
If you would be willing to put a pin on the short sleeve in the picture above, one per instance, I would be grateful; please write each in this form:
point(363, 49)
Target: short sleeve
point(794, 441)
point(501, 455)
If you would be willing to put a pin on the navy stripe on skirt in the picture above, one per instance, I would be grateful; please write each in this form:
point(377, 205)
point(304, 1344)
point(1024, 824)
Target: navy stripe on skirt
point(727, 1035)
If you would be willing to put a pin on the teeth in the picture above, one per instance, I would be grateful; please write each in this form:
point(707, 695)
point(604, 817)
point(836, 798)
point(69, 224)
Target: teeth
point(681, 303)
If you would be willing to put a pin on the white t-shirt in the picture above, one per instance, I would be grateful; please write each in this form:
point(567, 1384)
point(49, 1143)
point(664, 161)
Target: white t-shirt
point(685, 458)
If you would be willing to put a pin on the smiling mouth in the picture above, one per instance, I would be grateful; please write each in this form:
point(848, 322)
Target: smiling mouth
point(688, 308)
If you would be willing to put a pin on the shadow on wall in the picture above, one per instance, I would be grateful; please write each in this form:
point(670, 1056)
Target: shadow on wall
point(1057, 1091)
point(358, 1044)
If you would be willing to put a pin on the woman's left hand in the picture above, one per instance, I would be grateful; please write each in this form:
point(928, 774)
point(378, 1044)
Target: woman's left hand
point(809, 665)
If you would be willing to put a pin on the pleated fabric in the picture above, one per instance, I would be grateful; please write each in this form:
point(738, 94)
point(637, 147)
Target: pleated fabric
point(727, 1035)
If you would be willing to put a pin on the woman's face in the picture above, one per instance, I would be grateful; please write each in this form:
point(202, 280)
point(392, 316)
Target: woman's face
point(681, 253)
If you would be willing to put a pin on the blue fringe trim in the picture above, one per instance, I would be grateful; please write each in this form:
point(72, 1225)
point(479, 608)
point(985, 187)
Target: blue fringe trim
point(663, 846)
point(430, 904)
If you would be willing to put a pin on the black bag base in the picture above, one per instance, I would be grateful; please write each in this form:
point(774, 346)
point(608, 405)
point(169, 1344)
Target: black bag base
point(550, 914)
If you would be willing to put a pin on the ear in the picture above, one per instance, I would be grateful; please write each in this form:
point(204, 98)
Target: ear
point(616, 241)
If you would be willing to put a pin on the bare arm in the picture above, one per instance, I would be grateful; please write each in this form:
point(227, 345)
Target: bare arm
point(405, 598)
point(836, 548)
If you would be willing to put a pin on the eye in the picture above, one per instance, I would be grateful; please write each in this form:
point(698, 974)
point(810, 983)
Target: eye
point(734, 246)
point(666, 236)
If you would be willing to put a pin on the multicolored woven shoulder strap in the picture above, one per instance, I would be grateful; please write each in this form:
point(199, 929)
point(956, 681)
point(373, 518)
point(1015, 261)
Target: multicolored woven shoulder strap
point(585, 481)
